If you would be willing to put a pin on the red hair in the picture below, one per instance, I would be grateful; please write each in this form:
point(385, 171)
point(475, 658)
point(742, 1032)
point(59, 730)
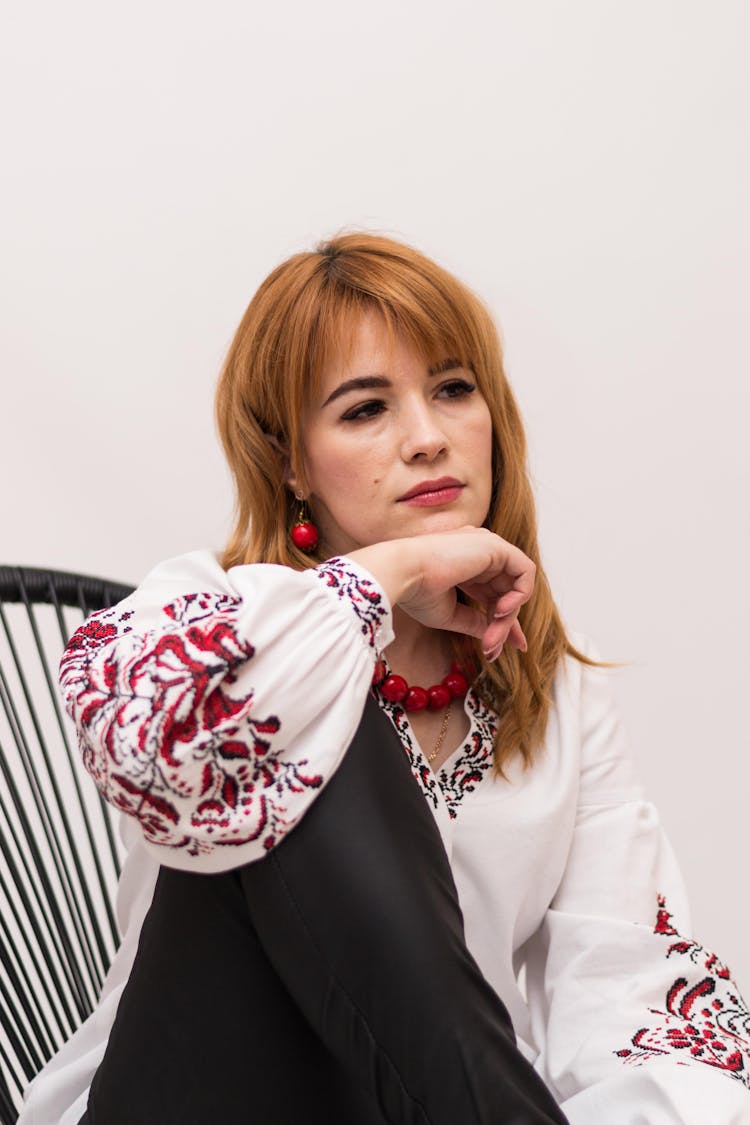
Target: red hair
point(301, 315)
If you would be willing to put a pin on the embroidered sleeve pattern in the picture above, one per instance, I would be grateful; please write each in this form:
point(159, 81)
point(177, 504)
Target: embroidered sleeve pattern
point(704, 1019)
point(166, 735)
point(350, 585)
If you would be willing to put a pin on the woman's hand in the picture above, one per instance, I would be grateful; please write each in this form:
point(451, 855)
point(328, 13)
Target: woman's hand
point(421, 575)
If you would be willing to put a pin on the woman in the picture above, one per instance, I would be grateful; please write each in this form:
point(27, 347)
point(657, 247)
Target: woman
point(355, 956)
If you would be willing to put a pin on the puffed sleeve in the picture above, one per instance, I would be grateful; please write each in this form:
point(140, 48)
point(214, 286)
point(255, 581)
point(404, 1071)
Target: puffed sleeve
point(213, 706)
point(639, 1023)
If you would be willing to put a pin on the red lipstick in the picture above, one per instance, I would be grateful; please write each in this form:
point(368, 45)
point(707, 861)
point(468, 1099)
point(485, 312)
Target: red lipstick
point(428, 492)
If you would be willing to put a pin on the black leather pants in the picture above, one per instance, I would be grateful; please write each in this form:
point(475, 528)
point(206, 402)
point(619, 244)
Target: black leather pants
point(327, 983)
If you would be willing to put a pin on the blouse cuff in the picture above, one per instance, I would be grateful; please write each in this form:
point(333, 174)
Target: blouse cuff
point(354, 587)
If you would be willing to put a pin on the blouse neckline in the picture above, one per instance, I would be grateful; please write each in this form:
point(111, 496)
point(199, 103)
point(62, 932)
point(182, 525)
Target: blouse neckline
point(464, 768)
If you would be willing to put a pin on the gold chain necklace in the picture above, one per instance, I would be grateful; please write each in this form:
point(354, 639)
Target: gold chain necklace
point(441, 737)
point(413, 698)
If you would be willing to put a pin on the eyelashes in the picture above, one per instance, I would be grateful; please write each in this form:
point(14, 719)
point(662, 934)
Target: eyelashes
point(458, 388)
point(454, 389)
point(364, 411)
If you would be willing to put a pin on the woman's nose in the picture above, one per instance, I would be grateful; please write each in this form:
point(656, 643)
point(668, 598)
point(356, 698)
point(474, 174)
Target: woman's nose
point(422, 436)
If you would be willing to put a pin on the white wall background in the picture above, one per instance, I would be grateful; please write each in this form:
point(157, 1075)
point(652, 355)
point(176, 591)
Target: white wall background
point(584, 165)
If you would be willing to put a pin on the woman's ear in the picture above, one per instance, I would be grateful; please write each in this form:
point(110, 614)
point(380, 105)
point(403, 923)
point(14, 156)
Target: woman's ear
point(294, 477)
point(291, 479)
point(281, 449)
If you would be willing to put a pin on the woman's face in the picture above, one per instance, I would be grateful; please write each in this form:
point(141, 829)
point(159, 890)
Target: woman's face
point(392, 448)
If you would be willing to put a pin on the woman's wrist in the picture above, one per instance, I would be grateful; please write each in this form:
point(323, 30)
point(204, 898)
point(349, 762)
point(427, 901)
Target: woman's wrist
point(393, 563)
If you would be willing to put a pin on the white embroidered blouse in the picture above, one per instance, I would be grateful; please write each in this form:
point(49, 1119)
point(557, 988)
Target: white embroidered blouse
point(212, 707)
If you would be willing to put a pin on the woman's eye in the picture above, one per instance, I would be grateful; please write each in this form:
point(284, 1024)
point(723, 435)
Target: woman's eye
point(363, 411)
point(457, 388)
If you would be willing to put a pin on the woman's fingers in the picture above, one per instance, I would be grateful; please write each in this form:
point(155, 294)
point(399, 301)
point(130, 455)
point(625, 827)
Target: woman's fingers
point(509, 604)
point(505, 584)
point(460, 618)
point(501, 632)
point(511, 574)
point(468, 620)
point(422, 575)
point(497, 576)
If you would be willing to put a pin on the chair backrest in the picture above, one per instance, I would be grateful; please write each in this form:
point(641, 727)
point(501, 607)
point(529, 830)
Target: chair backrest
point(59, 853)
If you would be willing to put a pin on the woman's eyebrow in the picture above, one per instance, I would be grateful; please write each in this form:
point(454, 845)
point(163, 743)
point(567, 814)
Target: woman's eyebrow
point(369, 382)
point(361, 383)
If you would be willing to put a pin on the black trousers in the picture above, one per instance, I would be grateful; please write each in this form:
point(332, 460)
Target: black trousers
point(327, 984)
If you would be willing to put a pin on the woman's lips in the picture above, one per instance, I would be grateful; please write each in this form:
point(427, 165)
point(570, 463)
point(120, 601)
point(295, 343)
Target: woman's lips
point(432, 492)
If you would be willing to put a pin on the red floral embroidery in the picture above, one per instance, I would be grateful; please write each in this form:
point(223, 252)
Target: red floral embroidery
point(166, 735)
point(362, 594)
point(704, 1019)
point(476, 756)
point(468, 768)
point(424, 776)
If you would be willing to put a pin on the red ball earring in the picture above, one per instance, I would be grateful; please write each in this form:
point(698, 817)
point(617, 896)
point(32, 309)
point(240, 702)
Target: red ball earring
point(304, 532)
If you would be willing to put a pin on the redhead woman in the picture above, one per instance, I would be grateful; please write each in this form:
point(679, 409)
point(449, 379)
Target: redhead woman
point(388, 857)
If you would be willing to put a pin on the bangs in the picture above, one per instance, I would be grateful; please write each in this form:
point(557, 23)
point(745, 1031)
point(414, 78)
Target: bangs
point(413, 305)
point(305, 316)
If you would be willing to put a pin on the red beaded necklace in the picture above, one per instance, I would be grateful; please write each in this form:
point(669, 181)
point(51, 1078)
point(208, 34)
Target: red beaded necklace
point(414, 698)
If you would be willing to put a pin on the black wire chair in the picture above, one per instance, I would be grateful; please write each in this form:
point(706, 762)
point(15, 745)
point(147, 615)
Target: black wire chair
point(59, 854)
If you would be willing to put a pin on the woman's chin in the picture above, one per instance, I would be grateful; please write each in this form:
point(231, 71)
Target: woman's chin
point(428, 522)
point(447, 520)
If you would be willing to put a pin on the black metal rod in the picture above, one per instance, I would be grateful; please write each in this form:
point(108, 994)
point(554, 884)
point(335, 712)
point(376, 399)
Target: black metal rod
point(47, 903)
point(57, 1002)
point(103, 950)
point(47, 1041)
point(98, 592)
point(8, 1108)
point(13, 1011)
point(24, 1049)
point(44, 934)
point(43, 809)
point(107, 821)
point(83, 882)
point(39, 790)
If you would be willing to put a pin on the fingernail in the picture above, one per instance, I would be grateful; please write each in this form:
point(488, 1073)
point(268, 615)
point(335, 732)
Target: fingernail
point(493, 653)
point(497, 616)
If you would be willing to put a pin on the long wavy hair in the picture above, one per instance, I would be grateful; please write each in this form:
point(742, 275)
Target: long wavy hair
point(300, 317)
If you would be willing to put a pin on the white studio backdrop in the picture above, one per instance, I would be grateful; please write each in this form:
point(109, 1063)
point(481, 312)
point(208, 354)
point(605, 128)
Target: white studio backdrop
point(584, 166)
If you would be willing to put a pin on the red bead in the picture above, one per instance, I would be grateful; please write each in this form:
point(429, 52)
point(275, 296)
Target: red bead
point(439, 697)
point(394, 689)
point(379, 674)
point(305, 536)
point(416, 699)
point(457, 684)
